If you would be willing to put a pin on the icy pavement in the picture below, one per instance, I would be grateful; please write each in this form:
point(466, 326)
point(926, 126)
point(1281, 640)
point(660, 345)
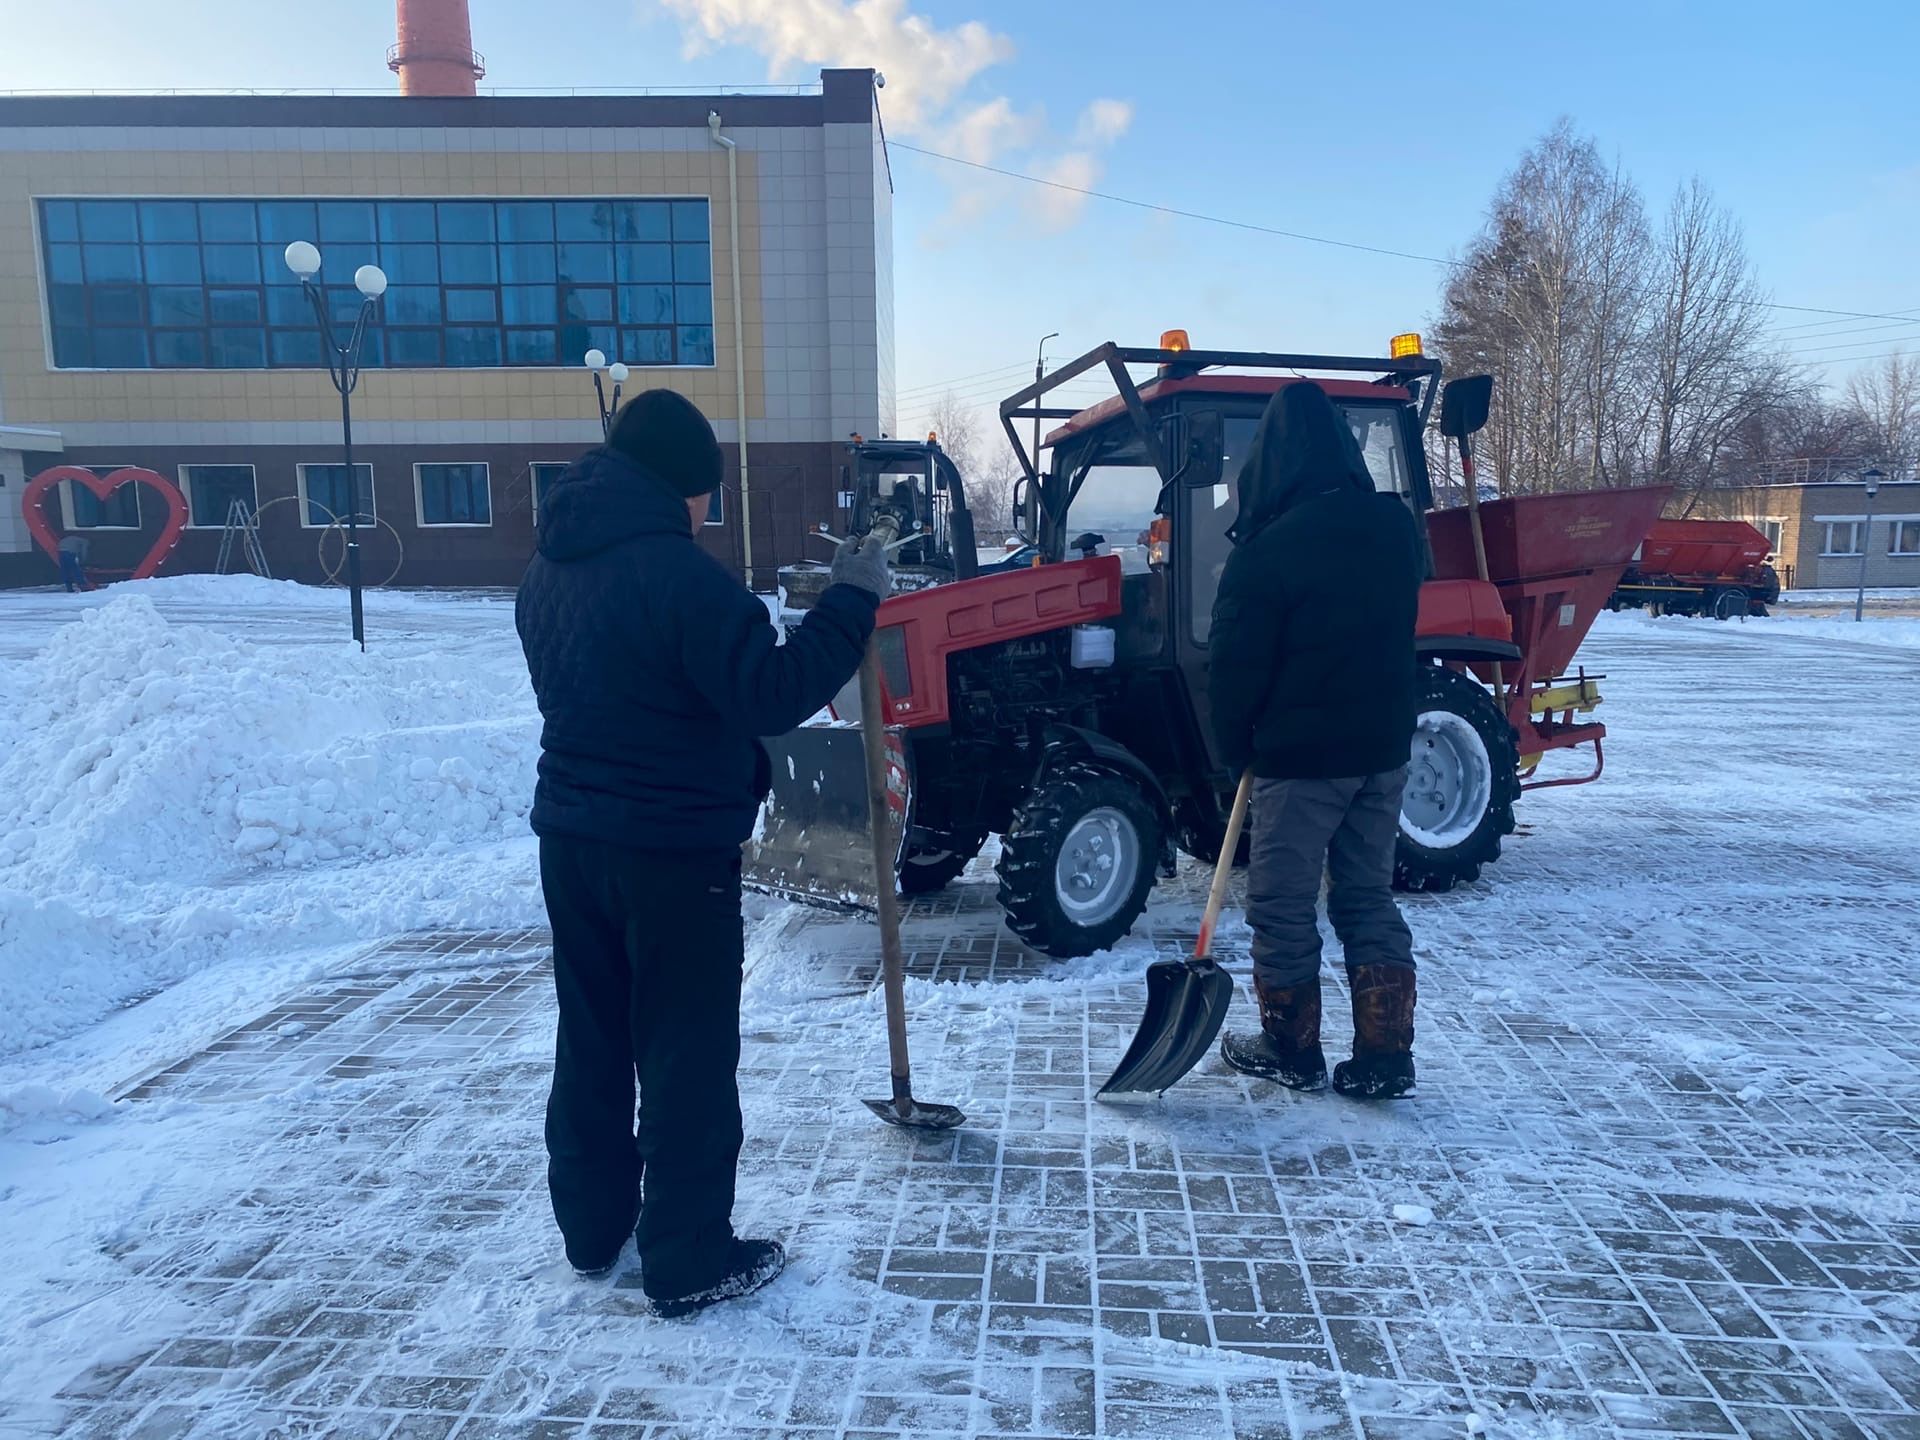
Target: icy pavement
point(1659, 1178)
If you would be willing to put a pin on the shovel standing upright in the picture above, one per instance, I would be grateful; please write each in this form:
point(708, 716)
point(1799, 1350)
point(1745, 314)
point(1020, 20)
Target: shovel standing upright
point(902, 1109)
point(1187, 1000)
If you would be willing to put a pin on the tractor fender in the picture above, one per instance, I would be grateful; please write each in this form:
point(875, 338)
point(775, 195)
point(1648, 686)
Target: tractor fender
point(1464, 647)
point(1072, 742)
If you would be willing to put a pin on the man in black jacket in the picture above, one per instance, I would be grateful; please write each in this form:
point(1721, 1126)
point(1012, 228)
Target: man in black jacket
point(1312, 685)
point(656, 671)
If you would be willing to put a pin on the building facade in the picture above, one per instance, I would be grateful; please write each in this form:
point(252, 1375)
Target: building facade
point(1821, 535)
point(148, 317)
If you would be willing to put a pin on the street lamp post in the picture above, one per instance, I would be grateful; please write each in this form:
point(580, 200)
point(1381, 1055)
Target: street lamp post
point(1872, 478)
point(596, 361)
point(343, 368)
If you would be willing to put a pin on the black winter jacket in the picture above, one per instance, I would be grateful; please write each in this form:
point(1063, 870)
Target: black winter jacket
point(656, 670)
point(1311, 666)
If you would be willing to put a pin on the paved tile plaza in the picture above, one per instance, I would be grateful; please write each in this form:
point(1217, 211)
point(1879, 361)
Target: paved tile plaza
point(1588, 1222)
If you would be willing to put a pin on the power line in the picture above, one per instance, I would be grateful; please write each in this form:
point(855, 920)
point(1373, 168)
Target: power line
point(1302, 235)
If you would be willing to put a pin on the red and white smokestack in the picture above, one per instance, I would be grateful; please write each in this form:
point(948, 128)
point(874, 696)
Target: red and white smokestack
point(435, 54)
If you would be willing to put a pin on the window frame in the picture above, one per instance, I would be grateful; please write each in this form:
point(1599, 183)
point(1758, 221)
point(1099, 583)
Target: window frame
point(186, 489)
point(1894, 527)
point(266, 329)
point(419, 498)
point(372, 516)
point(67, 522)
point(1779, 535)
point(1827, 552)
point(534, 467)
point(716, 509)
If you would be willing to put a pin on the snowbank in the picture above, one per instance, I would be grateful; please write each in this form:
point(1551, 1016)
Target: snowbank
point(174, 794)
point(1890, 631)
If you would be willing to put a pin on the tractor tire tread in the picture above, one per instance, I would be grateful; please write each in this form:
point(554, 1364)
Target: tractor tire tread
point(1418, 869)
point(1028, 851)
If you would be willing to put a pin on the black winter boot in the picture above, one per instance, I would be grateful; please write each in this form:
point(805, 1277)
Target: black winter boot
point(754, 1263)
point(1287, 1048)
point(1382, 1063)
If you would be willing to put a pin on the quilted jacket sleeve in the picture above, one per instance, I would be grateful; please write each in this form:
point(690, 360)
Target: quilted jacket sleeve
point(731, 651)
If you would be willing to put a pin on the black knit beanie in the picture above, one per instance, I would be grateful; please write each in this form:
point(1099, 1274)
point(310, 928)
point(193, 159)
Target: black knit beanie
point(665, 431)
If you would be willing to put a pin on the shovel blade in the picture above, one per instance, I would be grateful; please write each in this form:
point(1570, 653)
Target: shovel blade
point(914, 1114)
point(1187, 1004)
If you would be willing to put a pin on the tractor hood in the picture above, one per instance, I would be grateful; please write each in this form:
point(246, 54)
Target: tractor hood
point(1303, 447)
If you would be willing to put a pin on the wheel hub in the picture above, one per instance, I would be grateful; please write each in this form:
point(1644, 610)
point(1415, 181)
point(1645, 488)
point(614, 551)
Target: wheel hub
point(1098, 861)
point(1449, 780)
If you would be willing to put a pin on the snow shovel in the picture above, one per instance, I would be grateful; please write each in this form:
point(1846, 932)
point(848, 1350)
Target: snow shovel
point(1187, 1000)
point(902, 1109)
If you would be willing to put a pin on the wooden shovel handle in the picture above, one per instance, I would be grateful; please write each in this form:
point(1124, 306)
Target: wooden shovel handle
point(1223, 867)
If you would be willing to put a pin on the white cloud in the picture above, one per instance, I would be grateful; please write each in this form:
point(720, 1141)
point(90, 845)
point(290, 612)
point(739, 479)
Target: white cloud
point(926, 67)
point(931, 95)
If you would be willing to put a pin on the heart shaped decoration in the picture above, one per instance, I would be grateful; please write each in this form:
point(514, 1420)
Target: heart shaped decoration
point(33, 506)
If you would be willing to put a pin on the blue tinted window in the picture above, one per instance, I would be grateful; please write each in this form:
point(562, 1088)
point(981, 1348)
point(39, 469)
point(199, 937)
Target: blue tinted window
point(238, 349)
point(172, 264)
point(531, 347)
point(112, 262)
point(454, 495)
point(528, 304)
point(471, 305)
point(583, 262)
point(577, 303)
point(231, 264)
point(645, 262)
point(60, 220)
point(696, 345)
point(169, 220)
point(466, 221)
point(180, 305)
point(346, 220)
point(690, 220)
point(646, 305)
point(402, 220)
point(109, 220)
point(180, 347)
point(525, 220)
point(327, 499)
point(627, 276)
point(227, 220)
point(693, 304)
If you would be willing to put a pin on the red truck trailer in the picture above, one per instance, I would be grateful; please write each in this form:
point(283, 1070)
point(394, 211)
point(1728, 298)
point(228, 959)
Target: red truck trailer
point(1700, 567)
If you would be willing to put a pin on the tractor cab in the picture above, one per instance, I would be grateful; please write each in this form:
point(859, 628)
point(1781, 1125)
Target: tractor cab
point(914, 482)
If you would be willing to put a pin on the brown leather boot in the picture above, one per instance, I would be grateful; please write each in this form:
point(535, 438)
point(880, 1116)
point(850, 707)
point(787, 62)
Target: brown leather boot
point(1287, 1049)
point(1382, 1063)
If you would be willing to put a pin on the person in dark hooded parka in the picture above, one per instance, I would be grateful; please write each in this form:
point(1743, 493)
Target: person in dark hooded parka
point(1312, 686)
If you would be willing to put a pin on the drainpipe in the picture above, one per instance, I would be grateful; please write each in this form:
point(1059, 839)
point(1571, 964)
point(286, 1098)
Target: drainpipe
point(739, 336)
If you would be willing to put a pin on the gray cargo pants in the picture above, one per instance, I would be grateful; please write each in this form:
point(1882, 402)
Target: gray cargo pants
point(1345, 829)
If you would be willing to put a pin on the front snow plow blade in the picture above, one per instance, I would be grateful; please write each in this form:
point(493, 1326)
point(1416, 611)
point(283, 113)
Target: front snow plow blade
point(813, 842)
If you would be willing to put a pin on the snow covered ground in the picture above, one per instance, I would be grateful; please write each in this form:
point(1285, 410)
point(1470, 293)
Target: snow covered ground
point(1660, 1177)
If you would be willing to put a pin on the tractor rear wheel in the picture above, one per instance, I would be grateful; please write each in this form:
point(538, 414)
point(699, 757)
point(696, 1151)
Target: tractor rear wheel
point(1462, 779)
point(922, 872)
point(1077, 861)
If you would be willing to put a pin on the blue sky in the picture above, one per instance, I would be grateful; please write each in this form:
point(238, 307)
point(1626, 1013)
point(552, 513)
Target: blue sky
point(1390, 131)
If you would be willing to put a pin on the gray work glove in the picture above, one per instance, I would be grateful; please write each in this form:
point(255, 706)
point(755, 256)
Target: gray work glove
point(862, 564)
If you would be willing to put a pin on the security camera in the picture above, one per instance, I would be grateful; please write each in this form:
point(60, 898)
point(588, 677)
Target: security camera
point(879, 81)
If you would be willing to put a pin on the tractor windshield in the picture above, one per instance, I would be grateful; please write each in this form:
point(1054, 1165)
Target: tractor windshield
point(1376, 427)
point(1116, 502)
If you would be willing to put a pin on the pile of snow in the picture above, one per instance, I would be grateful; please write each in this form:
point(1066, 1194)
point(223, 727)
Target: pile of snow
point(172, 792)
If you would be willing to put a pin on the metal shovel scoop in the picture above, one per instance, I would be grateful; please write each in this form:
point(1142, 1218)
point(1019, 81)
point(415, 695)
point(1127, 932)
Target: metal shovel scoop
point(1187, 1000)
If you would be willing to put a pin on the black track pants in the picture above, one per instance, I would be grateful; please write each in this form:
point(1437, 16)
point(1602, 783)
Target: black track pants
point(647, 956)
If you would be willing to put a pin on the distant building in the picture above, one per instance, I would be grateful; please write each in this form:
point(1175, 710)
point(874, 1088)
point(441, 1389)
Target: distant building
point(1819, 530)
point(147, 316)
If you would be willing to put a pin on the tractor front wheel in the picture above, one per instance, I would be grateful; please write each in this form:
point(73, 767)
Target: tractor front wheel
point(1077, 861)
point(922, 872)
point(1462, 779)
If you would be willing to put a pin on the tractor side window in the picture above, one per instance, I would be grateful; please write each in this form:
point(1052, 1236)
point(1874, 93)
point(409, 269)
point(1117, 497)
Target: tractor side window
point(1117, 502)
point(1210, 512)
point(1377, 428)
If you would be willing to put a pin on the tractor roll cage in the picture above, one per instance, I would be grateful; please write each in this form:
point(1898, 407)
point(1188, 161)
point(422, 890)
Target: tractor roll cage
point(1410, 371)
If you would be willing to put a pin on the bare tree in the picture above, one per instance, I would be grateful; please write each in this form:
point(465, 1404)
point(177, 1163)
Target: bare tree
point(1885, 400)
point(987, 467)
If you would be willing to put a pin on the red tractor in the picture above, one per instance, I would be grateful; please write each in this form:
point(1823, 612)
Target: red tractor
point(1064, 707)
